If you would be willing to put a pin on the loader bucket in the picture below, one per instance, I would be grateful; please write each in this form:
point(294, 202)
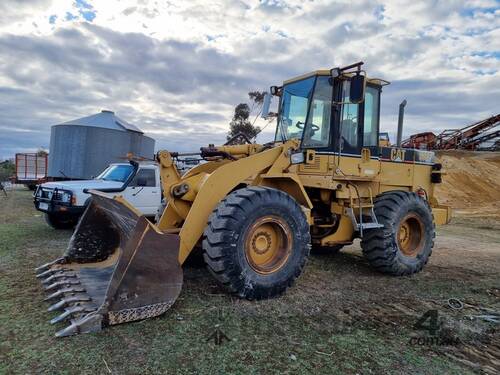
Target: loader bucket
point(118, 268)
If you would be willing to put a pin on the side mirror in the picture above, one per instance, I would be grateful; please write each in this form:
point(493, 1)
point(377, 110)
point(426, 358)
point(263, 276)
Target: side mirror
point(357, 91)
point(141, 181)
point(265, 106)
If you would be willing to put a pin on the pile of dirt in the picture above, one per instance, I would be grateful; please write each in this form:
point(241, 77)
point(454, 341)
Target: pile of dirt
point(471, 182)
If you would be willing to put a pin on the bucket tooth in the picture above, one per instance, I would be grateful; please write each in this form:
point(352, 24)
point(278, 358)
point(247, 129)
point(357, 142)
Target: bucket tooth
point(69, 300)
point(70, 311)
point(64, 282)
point(58, 306)
point(86, 324)
point(64, 291)
point(57, 276)
point(47, 273)
point(46, 266)
point(66, 314)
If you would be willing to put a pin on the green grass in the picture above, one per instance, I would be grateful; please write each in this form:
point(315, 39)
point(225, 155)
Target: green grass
point(297, 333)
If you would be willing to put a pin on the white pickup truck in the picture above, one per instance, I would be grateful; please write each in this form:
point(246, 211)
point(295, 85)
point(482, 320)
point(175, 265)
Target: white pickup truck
point(63, 202)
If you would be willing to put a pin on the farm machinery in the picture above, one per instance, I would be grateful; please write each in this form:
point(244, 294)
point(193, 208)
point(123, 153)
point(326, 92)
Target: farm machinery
point(256, 210)
point(471, 137)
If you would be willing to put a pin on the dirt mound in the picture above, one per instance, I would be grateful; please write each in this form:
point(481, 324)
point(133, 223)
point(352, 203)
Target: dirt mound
point(472, 181)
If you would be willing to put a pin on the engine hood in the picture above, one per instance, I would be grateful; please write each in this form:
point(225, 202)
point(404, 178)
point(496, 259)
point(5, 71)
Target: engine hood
point(82, 184)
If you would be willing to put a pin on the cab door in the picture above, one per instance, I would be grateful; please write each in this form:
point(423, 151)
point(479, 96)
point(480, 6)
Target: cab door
point(144, 191)
point(357, 134)
point(317, 130)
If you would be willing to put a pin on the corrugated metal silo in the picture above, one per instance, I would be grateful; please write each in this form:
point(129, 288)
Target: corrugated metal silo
point(82, 148)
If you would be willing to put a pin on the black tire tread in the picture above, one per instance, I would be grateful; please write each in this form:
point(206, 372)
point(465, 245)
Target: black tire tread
point(219, 235)
point(379, 246)
point(57, 222)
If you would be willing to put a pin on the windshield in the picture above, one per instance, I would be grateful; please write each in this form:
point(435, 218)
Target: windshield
point(317, 130)
point(116, 173)
point(294, 105)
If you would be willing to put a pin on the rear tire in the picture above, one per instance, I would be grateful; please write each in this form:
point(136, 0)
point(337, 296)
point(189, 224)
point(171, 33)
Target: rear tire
point(403, 246)
point(60, 221)
point(257, 242)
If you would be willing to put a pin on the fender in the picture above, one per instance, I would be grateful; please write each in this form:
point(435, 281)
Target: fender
point(289, 183)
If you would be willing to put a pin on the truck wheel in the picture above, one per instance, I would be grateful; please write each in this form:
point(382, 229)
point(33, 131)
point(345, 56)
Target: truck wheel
point(403, 246)
point(257, 242)
point(60, 221)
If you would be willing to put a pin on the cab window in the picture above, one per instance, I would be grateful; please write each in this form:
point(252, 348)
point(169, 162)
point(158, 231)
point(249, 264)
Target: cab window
point(144, 178)
point(317, 129)
point(294, 104)
point(349, 140)
point(371, 117)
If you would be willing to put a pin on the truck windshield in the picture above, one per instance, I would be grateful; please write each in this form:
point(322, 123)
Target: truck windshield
point(294, 105)
point(116, 173)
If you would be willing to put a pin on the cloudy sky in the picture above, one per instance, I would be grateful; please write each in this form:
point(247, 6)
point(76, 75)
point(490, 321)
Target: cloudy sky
point(176, 69)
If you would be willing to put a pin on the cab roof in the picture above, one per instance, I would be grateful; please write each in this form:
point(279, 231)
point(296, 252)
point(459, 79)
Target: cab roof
point(326, 72)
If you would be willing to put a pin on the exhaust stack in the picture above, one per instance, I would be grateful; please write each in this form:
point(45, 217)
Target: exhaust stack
point(400, 122)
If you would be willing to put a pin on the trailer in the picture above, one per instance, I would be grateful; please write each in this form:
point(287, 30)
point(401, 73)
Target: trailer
point(31, 169)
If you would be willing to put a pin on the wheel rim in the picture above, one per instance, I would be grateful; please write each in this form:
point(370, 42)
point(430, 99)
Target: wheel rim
point(411, 235)
point(268, 244)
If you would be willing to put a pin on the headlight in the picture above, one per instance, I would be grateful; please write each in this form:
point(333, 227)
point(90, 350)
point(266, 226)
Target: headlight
point(297, 158)
point(66, 196)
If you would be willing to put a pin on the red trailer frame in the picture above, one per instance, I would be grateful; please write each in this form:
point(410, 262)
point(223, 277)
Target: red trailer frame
point(31, 169)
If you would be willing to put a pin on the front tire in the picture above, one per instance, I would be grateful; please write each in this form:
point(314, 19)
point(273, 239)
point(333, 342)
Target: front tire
point(257, 242)
point(403, 246)
point(61, 221)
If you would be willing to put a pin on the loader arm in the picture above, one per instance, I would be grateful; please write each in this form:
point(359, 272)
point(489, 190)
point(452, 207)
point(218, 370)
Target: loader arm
point(205, 186)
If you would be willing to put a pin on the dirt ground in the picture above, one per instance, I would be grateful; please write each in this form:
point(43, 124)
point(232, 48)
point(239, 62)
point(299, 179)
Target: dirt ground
point(341, 317)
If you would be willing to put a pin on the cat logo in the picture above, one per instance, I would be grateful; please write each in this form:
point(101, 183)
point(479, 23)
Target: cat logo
point(397, 154)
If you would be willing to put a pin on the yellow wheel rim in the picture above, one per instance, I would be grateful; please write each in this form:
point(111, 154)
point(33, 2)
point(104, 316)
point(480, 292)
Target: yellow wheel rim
point(411, 235)
point(268, 244)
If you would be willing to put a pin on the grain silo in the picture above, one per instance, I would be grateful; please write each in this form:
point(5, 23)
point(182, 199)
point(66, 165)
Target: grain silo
point(82, 148)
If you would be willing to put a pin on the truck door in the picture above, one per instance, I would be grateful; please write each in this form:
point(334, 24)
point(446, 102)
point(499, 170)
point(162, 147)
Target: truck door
point(144, 191)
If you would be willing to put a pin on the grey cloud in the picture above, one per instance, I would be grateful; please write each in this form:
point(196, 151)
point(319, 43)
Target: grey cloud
point(80, 69)
point(129, 11)
point(16, 10)
point(438, 105)
point(67, 75)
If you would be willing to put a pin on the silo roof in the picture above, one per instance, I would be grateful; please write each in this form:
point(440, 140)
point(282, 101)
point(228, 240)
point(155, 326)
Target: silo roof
point(104, 119)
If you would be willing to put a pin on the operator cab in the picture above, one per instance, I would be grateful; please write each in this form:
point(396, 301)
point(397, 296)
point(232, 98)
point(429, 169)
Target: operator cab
point(331, 110)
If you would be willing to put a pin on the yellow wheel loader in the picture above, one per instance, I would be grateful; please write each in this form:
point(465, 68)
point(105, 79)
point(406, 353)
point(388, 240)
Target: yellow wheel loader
point(256, 210)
